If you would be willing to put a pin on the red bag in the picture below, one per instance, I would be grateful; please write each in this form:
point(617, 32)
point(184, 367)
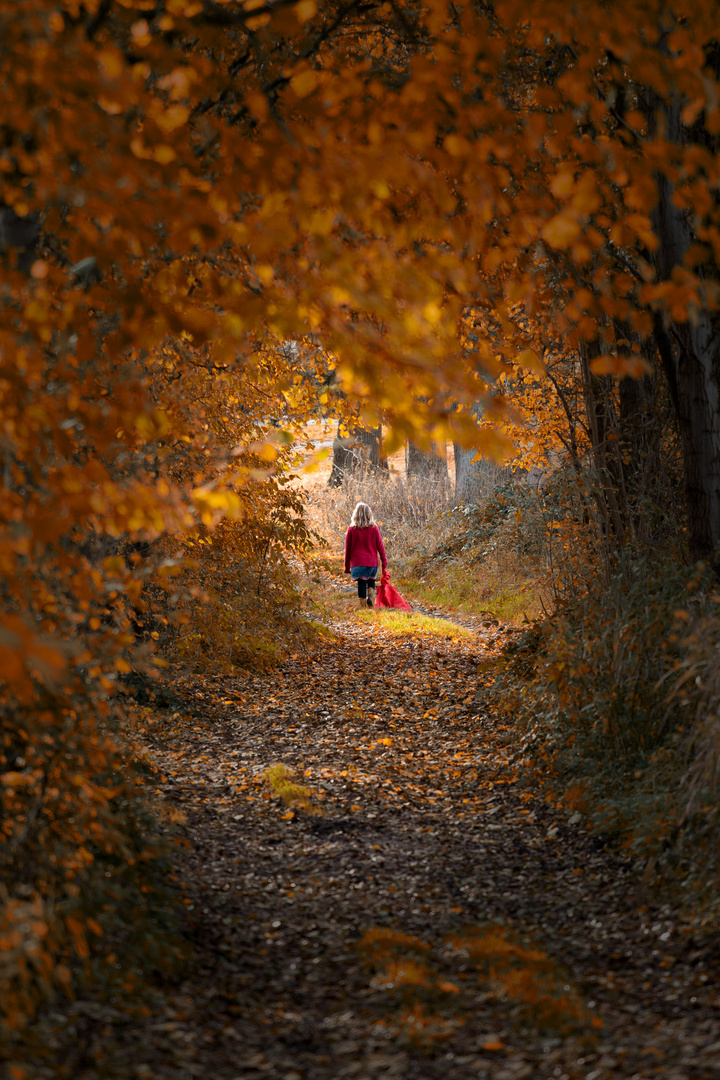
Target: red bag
point(388, 596)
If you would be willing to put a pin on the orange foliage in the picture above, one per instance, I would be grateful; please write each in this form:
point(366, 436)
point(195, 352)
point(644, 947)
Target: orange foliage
point(188, 189)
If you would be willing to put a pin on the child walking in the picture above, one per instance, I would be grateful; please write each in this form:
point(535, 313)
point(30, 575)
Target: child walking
point(363, 545)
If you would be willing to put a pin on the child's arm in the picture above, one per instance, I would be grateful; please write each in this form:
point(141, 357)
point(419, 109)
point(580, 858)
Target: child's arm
point(347, 552)
point(381, 548)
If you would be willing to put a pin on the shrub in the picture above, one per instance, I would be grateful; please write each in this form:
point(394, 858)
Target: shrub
point(236, 597)
point(615, 701)
point(81, 893)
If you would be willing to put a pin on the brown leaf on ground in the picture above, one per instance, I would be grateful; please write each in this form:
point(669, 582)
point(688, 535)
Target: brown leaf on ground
point(432, 921)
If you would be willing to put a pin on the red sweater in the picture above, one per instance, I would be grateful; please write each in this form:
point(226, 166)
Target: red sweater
point(362, 547)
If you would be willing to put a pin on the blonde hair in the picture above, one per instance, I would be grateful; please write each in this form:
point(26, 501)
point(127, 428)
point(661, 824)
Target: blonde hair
point(362, 517)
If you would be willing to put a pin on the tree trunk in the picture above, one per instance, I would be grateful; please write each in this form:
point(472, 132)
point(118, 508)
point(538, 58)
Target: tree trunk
point(355, 454)
point(691, 358)
point(425, 466)
point(475, 480)
point(20, 235)
point(698, 407)
point(602, 425)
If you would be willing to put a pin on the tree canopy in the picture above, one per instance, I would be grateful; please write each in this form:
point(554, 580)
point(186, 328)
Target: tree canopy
point(363, 176)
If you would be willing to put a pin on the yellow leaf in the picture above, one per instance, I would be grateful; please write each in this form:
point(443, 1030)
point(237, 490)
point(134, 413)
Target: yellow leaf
point(304, 83)
point(268, 452)
point(15, 779)
point(257, 22)
point(109, 105)
point(258, 105)
point(305, 10)
point(561, 231)
point(114, 564)
point(164, 154)
point(111, 63)
point(530, 359)
point(171, 118)
point(169, 569)
point(563, 182)
point(457, 146)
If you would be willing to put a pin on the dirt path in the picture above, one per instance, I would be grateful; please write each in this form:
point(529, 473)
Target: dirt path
point(359, 942)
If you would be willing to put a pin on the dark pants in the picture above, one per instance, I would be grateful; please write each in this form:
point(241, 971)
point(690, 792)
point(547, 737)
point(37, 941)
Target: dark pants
point(363, 585)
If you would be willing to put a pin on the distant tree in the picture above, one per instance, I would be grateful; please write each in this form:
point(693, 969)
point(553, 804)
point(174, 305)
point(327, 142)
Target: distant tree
point(355, 454)
point(425, 465)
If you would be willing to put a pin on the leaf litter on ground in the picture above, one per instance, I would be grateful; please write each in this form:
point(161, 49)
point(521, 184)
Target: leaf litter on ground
point(369, 892)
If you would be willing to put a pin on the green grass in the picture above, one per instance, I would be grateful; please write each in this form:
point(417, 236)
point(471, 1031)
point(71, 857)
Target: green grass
point(406, 624)
point(513, 602)
point(470, 589)
point(451, 592)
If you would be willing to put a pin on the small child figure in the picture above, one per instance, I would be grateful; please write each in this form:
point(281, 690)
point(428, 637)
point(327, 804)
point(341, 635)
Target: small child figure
point(363, 545)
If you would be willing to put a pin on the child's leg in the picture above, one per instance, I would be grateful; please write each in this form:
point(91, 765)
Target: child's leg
point(371, 592)
point(362, 586)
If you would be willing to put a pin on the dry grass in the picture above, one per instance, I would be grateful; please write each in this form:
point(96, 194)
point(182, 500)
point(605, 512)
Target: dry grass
point(401, 506)
point(694, 693)
point(503, 591)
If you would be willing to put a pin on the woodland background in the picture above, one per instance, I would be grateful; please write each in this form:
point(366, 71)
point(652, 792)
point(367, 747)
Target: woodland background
point(487, 225)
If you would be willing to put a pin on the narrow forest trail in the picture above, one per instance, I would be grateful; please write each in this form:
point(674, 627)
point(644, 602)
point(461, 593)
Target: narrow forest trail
point(422, 833)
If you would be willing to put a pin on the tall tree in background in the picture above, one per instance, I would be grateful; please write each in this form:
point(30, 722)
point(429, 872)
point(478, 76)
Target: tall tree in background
point(426, 464)
point(357, 453)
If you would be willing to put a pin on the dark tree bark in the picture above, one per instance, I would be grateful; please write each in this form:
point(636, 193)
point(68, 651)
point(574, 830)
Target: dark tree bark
point(422, 465)
point(19, 234)
point(356, 454)
point(468, 476)
point(691, 358)
point(474, 480)
point(611, 497)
